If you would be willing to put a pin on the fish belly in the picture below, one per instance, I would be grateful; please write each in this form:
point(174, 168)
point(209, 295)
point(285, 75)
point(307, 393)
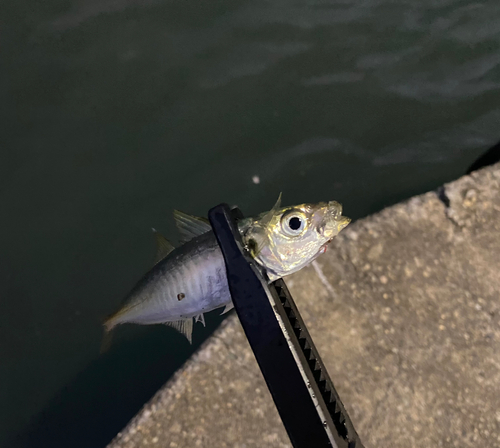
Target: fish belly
point(188, 282)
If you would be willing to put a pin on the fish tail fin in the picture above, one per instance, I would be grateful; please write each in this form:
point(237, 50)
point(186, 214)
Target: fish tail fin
point(107, 337)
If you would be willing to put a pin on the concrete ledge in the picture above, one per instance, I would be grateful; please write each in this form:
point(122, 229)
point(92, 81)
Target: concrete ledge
point(405, 312)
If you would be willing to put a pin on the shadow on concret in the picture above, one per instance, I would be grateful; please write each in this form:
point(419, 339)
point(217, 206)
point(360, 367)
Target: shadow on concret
point(102, 399)
point(488, 158)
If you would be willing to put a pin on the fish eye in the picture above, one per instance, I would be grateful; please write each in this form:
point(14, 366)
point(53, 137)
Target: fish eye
point(293, 224)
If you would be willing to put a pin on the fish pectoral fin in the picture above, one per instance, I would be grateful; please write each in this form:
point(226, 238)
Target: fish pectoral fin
point(164, 246)
point(256, 241)
point(227, 308)
point(184, 326)
point(191, 226)
point(200, 318)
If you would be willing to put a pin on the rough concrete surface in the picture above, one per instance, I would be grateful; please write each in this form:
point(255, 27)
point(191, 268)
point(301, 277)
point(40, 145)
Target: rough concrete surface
point(405, 312)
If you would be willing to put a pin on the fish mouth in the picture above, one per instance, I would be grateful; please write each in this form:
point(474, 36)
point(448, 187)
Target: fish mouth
point(342, 222)
point(333, 221)
point(323, 248)
point(332, 227)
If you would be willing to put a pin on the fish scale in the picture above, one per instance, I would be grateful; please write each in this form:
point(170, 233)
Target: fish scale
point(188, 271)
point(192, 275)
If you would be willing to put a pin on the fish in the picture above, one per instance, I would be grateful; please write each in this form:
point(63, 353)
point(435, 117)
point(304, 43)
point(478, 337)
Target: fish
point(190, 280)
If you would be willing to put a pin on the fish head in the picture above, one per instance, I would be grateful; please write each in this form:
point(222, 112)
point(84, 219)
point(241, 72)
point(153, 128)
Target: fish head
point(286, 239)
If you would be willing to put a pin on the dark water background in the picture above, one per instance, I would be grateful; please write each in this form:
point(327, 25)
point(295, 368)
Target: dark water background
point(115, 112)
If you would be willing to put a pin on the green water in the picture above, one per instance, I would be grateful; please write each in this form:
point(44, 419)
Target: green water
point(115, 112)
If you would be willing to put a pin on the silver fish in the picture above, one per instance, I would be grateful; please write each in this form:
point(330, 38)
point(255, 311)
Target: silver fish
point(190, 280)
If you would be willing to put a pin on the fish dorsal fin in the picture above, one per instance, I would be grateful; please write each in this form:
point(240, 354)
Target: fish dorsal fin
point(184, 326)
point(200, 318)
point(164, 246)
point(266, 219)
point(191, 226)
point(258, 235)
point(228, 308)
